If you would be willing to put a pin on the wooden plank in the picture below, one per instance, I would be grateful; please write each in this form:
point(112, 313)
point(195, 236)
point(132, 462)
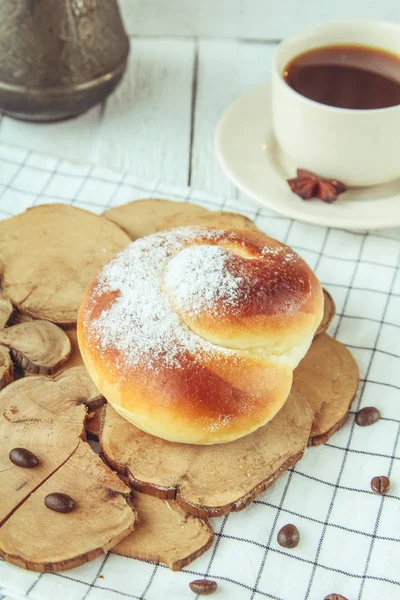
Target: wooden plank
point(226, 70)
point(73, 139)
point(256, 19)
point(146, 124)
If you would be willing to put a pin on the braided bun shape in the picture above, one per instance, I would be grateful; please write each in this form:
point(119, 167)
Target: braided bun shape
point(193, 334)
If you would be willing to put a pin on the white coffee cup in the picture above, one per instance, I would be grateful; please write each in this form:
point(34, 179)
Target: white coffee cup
point(359, 147)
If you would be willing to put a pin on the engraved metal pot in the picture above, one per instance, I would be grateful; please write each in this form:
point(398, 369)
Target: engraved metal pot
point(59, 58)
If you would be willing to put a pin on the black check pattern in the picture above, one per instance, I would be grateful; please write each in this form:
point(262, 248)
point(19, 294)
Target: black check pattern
point(350, 538)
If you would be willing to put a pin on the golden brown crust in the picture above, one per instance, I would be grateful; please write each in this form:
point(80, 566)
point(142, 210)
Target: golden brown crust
point(208, 400)
point(280, 296)
point(208, 375)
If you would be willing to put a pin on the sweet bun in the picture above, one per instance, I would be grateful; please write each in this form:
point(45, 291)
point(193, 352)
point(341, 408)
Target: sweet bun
point(193, 334)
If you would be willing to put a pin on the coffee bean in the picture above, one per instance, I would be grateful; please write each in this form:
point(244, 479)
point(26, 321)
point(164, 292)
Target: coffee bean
point(61, 503)
point(288, 536)
point(23, 458)
point(367, 416)
point(203, 587)
point(380, 485)
point(335, 597)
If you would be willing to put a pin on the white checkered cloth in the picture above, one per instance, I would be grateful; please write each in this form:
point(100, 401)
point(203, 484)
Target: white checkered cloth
point(350, 537)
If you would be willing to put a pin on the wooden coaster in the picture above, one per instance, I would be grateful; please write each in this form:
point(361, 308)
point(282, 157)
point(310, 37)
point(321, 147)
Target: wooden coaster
point(46, 416)
point(208, 480)
point(75, 244)
point(214, 480)
point(329, 313)
point(37, 346)
point(18, 317)
point(6, 364)
point(75, 358)
point(6, 310)
point(33, 346)
point(36, 413)
point(143, 217)
point(165, 533)
point(93, 422)
point(39, 539)
point(216, 218)
point(6, 367)
point(328, 377)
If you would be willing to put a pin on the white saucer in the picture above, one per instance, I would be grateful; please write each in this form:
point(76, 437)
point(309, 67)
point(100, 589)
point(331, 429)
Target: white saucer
point(250, 157)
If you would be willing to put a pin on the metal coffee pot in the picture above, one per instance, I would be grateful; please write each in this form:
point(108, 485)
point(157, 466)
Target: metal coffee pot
point(58, 58)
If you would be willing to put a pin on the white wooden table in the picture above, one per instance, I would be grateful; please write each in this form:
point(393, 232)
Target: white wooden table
point(160, 122)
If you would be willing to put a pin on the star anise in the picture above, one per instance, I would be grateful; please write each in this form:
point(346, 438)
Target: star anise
point(309, 185)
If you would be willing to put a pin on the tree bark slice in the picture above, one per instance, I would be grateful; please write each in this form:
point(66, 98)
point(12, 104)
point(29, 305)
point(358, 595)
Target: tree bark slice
point(329, 313)
point(208, 480)
point(165, 533)
point(46, 416)
point(37, 346)
point(75, 244)
point(6, 310)
point(39, 539)
point(217, 218)
point(328, 377)
point(75, 358)
point(6, 367)
point(143, 217)
point(94, 421)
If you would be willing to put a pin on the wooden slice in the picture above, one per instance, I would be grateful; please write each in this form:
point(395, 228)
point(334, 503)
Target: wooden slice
point(48, 256)
point(18, 317)
point(142, 217)
point(93, 422)
point(210, 219)
point(6, 367)
point(328, 377)
point(45, 416)
point(40, 539)
point(208, 480)
point(37, 346)
point(329, 313)
point(165, 533)
point(75, 358)
point(6, 310)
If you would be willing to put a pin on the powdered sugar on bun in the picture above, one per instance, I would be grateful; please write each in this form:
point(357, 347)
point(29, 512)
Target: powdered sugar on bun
point(200, 305)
